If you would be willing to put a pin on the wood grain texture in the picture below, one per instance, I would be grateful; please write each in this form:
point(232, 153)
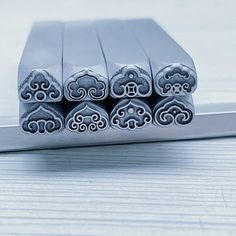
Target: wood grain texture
point(148, 189)
point(172, 188)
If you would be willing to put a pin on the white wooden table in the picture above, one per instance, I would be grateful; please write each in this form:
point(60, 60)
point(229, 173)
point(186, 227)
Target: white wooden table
point(171, 188)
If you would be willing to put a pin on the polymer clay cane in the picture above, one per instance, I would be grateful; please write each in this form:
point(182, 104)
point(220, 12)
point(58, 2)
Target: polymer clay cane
point(130, 114)
point(40, 68)
point(170, 111)
point(99, 58)
point(211, 121)
point(128, 67)
point(86, 117)
point(173, 69)
point(84, 68)
point(41, 118)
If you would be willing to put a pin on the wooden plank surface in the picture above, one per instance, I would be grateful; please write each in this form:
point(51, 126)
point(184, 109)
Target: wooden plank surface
point(172, 188)
point(176, 188)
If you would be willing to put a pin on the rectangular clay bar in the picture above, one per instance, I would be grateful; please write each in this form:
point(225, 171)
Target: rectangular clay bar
point(40, 68)
point(173, 69)
point(84, 67)
point(128, 67)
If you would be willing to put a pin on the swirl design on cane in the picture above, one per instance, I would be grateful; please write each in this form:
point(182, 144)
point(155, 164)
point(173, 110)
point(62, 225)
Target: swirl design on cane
point(175, 80)
point(173, 112)
point(131, 115)
point(41, 121)
point(85, 86)
point(131, 81)
point(87, 118)
point(40, 86)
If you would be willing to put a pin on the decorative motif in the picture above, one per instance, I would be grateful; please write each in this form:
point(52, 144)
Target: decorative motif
point(175, 80)
point(87, 117)
point(42, 120)
point(131, 81)
point(40, 86)
point(86, 85)
point(172, 112)
point(131, 114)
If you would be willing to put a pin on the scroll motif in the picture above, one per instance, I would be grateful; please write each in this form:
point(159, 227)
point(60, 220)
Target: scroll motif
point(173, 112)
point(131, 114)
point(131, 81)
point(87, 117)
point(40, 86)
point(86, 85)
point(175, 80)
point(41, 121)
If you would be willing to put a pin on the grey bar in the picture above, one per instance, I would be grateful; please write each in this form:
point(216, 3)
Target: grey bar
point(40, 68)
point(84, 68)
point(41, 118)
point(173, 69)
point(131, 114)
point(128, 67)
point(86, 117)
point(173, 111)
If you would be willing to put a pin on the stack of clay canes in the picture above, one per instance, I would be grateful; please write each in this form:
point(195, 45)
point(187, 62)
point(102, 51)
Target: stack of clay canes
point(90, 76)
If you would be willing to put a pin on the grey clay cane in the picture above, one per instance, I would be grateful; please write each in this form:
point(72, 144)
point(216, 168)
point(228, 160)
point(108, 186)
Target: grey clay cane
point(173, 111)
point(84, 68)
point(41, 118)
point(85, 78)
point(86, 117)
point(173, 70)
point(130, 114)
point(128, 67)
point(40, 68)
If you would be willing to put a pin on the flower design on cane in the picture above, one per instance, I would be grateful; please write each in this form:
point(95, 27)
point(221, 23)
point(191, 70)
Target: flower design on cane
point(87, 117)
point(86, 85)
point(131, 81)
point(131, 115)
point(172, 112)
point(40, 86)
point(175, 80)
point(41, 121)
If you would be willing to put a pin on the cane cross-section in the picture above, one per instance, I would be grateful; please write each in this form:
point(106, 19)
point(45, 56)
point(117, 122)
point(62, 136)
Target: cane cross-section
point(87, 117)
point(172, 111)
point(131, 114)
point(41, 119)
point(85, 86)
point(131, 81)
point(40, 86)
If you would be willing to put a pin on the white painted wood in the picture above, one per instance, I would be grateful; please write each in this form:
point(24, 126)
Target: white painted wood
point(174, 188)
